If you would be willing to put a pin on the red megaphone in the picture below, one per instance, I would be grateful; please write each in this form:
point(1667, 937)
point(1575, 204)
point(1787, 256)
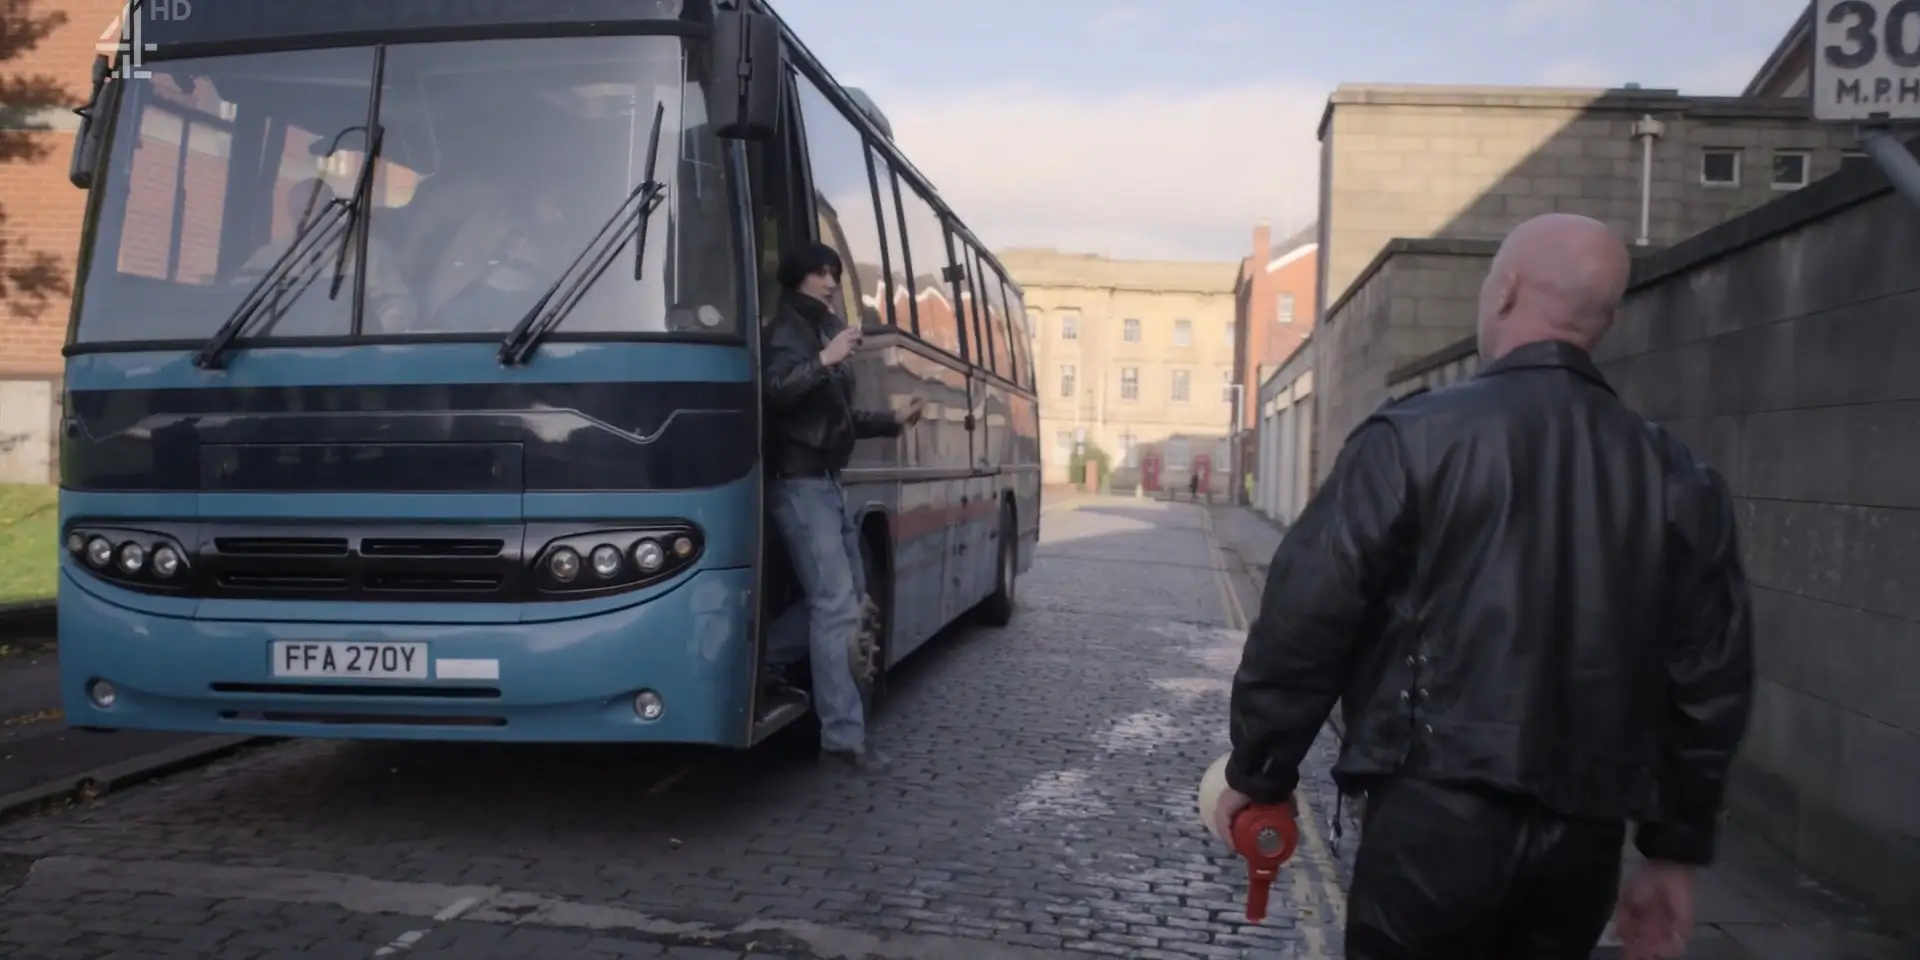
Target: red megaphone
point(1265, 835)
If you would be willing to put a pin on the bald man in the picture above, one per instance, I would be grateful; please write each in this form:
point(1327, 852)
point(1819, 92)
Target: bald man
point(1530, 605)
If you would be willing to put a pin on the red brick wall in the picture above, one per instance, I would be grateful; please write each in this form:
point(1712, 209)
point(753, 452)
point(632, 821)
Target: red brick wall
point(1261, 339)
point(43, 209)
point(43, 216)
point(1297, 278)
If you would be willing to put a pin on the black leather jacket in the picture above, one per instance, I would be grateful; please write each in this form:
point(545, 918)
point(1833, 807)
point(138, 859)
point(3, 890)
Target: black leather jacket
point(1514, 582)
point(811, 425)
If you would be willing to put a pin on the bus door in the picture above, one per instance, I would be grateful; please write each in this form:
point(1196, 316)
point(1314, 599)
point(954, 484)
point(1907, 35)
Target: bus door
point(994, 433)
point(969, 543)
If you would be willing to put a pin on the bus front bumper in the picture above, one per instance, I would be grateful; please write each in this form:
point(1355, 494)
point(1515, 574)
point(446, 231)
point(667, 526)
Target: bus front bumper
point(674, 669)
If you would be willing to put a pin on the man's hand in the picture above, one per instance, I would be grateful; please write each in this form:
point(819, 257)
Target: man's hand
point(1655, 914)
point(1231, 803)
point(840, 347)
point(916, 408)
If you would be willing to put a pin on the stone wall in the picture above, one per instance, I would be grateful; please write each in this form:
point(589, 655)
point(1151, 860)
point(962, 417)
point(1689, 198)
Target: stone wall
point(1415, 298)
point(1445, 367)
point(1083, 381)
point(1472, 162)
point(1782, 347)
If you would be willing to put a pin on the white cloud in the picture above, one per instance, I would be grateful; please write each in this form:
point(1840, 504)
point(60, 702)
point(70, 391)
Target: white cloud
point(1154, 174)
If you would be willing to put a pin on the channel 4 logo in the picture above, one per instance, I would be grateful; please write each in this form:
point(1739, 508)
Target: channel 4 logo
point(124, 39)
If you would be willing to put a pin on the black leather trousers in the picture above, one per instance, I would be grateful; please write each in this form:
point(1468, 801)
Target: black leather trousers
point(1459, 873)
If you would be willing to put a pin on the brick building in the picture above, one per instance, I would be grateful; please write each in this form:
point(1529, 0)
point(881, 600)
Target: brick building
point(1273, 313)
point(43, 209)
point(43, 215)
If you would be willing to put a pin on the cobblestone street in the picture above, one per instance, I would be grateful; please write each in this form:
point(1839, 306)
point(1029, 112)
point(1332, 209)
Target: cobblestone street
point(1041, 804)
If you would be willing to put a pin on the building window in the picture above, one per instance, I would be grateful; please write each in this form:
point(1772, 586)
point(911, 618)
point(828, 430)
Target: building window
point(1067, 380)
point(1182, 385)
point(1283, 308)
point(1231, 334)
point(1064, 440)
point(1183, 333)
point(1126, 449)
point(1129, 383)
point(1720, 167)
point(1790, 169)
point(1069, 325)
point(1130, 330)
point(1226, 385)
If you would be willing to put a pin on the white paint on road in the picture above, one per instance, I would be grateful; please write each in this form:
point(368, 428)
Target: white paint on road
point(405, 941)
point(1142, 732)
point(1059, 795)
point(1195, 687)
point(476, 904)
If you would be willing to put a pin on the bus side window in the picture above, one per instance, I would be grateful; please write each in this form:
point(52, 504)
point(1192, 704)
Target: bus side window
point(843, 201)
point(775, 202)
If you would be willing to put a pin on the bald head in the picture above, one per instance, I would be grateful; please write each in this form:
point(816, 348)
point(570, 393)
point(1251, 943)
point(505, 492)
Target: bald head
point(1556, 277)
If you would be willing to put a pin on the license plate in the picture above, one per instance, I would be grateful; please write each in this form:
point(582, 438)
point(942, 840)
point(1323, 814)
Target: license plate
point(334, 658)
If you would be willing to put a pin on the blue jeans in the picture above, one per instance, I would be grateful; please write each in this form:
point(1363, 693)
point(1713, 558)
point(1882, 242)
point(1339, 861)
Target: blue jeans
point(811, 515)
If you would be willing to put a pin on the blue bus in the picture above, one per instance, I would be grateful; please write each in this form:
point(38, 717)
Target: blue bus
point(412, 382)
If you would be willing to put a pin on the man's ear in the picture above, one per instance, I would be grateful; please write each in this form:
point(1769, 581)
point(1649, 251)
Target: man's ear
point(1506, 288)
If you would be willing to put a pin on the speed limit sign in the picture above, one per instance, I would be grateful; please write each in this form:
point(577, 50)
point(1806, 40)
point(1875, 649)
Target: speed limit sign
point(1866, 60)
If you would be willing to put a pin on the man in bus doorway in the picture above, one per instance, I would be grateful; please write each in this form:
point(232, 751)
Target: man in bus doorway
point(1531, 604)
point(811, 427)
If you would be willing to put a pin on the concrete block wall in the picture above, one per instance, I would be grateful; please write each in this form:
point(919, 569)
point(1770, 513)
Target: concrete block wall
point(1782, 347)
point(1417, 297)
point(1471, 163)
point(1447, 366)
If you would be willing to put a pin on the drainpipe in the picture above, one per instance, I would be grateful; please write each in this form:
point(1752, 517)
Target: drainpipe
point(1646, 130)
point(1893, 158)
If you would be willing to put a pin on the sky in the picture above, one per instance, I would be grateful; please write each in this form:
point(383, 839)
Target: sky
point(1167, 128)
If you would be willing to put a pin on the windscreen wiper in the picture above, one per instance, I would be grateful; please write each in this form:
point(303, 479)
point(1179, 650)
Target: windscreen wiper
point(357, 209)
point(308, 243)
point(311, 239)
point(627, 220)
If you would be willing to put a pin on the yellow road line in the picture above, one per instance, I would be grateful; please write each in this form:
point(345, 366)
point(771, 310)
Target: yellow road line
point(1312, 844)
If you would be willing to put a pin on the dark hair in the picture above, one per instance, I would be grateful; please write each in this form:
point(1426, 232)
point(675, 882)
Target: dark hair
point(800, 263)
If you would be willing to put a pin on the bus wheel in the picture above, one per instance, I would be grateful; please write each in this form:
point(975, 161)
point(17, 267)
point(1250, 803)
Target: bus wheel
point(869, 654)
point(997, 609)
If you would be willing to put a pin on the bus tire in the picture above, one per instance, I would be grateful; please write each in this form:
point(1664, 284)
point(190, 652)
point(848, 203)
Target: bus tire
point(997, 609)
point(876, 626)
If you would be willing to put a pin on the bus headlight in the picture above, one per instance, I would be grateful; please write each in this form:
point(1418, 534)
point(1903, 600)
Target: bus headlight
point(564, 564)
point(620, 559)
point(147, 559)
point(166, 563)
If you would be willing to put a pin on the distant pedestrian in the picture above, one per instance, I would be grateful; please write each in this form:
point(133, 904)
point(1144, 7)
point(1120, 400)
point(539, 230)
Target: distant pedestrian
point(1193, 486)
point(1530, 603)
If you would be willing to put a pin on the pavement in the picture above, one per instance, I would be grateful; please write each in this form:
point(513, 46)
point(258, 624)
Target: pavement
point(1041, 806)
point(1752, 904)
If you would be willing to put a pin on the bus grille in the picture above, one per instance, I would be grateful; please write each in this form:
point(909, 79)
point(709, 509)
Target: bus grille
point(390, 563)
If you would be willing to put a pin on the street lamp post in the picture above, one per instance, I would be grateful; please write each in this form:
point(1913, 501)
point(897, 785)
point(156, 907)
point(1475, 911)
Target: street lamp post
point(1235, 459)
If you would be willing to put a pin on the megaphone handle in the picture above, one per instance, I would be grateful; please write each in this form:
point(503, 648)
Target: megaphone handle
point(1259, 881)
